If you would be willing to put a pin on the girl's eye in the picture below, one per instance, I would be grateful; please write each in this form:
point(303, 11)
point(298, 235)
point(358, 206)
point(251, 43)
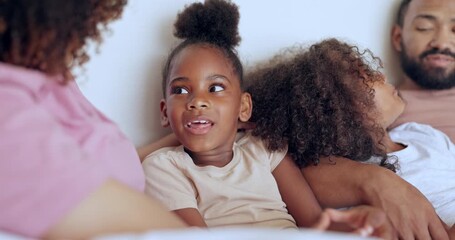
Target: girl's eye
point(178, 90)
point(216, 88)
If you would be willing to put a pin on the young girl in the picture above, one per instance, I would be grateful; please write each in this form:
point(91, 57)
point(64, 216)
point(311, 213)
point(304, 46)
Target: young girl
point(211, 180)
point(335, 103)
point(66, 171)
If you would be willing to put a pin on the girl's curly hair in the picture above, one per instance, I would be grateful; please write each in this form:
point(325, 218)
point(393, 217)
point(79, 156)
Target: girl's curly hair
point(318, 102)
point(213, 23)
point(50, 35)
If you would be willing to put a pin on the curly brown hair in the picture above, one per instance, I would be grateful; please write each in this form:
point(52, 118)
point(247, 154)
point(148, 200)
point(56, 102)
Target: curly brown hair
point(50, 35)
point(318, 102)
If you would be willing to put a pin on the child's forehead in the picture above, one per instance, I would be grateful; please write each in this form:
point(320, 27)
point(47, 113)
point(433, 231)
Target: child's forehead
point(201, 50)
point(201, 58)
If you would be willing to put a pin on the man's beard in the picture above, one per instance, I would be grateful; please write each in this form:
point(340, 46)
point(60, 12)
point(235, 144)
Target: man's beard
point(428, 78)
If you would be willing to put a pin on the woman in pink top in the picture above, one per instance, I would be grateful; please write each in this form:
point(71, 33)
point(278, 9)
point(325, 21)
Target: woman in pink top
point(66, 171)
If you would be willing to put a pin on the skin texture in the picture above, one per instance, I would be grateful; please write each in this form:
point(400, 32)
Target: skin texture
point(203, 87)
point(388, 103)
point(427, 37)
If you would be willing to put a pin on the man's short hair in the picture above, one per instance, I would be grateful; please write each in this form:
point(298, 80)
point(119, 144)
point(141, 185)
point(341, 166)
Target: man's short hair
point(402, 9)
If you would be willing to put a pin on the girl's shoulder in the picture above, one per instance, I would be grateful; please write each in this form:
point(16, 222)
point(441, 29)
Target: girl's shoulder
point(165, 154)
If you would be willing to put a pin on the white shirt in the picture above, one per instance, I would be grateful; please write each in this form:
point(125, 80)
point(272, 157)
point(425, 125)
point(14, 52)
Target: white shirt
point(428, 163)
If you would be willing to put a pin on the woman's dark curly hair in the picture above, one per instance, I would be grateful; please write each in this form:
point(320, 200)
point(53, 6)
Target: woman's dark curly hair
point(213, 23)
point(50, 35)
point(318, 102)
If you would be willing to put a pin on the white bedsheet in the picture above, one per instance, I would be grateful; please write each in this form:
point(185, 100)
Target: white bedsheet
point(221, 234)
point(236, 234)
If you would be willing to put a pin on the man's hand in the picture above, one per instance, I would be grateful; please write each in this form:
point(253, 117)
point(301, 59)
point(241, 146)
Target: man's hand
point(362, 220)
point(409, 211)
point(339, 182)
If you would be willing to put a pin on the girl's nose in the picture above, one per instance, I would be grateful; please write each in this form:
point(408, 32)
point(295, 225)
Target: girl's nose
point(198, 102)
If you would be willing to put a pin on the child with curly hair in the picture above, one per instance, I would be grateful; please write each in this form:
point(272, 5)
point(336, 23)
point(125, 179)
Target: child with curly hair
point(66, 171)
point(334, 102)
point(212, 180)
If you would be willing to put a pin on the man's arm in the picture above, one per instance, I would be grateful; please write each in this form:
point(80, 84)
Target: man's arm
point(452, 233)
point(300, 200)
point(339, 182)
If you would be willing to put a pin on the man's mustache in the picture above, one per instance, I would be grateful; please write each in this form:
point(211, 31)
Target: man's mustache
point(446, 52)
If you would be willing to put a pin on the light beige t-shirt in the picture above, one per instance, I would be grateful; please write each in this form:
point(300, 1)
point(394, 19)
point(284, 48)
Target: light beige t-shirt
point(244, 192)
point(432, 107)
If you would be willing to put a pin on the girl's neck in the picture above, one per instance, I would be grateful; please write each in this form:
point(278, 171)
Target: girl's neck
point(390, 145)
point(211, 158)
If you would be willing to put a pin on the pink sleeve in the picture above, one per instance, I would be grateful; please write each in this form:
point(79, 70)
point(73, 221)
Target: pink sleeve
point(43, 172)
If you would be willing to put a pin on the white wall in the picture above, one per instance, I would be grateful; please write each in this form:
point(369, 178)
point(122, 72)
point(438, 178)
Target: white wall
point(124, 82)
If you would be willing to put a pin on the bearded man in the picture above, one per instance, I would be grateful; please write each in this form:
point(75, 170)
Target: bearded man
point(424, 38)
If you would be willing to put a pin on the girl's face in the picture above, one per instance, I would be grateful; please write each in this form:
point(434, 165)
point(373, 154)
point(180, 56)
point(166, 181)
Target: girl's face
point(388, 103)
point(204, 100)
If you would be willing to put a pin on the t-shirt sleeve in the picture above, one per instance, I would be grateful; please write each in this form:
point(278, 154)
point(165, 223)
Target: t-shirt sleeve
point(43, 173)
point(166, 182)
point(438, 136)
point(425, 132)
point(256, 145)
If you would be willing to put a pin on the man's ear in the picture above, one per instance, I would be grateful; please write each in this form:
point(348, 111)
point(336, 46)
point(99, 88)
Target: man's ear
point(246, 107)
point(397, 37)
point(164, 118)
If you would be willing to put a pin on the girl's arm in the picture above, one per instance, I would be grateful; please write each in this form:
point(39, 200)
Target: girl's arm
point(303, 206)
point(167, 141)
point(342, 182)
point(191, 216)
point(296, 193)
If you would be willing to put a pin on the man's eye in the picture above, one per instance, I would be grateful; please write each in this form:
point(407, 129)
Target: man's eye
point(422, 29)
point(216, 88)
point(179, 90)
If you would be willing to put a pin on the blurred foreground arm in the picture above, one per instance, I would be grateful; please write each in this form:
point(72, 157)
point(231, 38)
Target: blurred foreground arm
point(112, 209)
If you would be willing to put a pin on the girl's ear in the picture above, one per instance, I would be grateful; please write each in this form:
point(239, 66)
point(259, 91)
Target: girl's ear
point(246, 107)
point(397, 37)
point(164, 118)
